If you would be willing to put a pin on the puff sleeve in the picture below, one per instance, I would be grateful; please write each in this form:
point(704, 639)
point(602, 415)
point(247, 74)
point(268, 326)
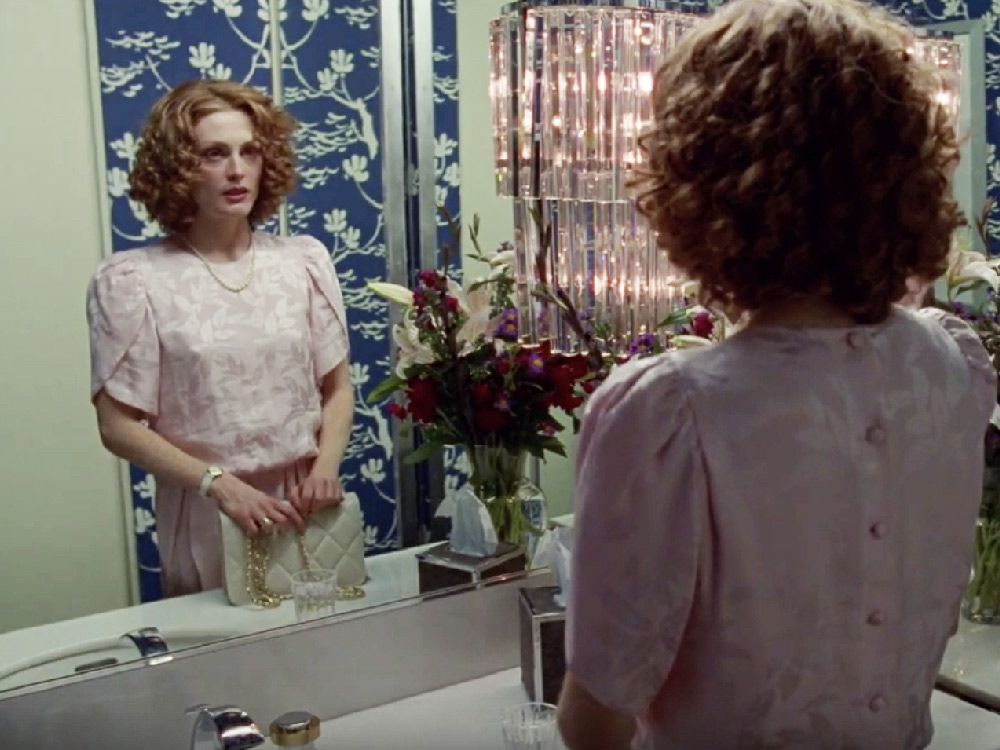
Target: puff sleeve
point(124, 347)
point(982, 373)
point(327, 317)
point(641, 499)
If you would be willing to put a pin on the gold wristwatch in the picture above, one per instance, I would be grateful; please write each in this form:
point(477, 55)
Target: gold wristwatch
point(211, 474)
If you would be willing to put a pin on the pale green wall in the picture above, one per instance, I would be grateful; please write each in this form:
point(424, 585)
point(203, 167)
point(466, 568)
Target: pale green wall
point(478, 194)
point(62, 546)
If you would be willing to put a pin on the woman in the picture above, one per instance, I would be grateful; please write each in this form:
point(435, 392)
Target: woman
point(220, 355)
point(774, 532)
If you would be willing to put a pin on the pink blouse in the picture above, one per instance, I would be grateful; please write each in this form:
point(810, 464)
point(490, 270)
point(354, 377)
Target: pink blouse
point(774, 533)
point(230, 378)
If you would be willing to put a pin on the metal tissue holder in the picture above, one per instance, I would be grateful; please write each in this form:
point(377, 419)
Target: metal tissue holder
point(440, 567)
point(543, 643)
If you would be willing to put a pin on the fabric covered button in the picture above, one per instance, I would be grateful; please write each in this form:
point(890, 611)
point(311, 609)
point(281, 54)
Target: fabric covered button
point(875, 434)
point(856, 340)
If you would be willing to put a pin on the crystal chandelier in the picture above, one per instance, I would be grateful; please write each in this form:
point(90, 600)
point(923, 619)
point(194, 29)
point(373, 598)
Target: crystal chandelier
point(570, 90)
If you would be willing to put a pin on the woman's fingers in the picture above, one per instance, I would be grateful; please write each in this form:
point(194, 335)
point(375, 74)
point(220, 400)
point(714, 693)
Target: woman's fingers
point(288, 514)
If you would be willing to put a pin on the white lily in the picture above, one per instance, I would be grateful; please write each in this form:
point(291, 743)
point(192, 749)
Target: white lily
point(684, 341)
point(477, 306)
point(503, 258)
point(410, 349)
point(392, 292)
point(968, 265)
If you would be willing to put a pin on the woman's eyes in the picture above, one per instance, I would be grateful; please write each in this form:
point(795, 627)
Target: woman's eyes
point(215, 153)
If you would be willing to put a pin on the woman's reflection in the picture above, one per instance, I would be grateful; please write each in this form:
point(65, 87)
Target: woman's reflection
point(219, 356)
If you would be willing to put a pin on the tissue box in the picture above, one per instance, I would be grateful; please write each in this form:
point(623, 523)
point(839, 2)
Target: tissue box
point(543, 643)
point(440, 567)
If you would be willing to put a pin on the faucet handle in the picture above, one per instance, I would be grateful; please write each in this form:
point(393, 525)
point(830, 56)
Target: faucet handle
point(149, 641)
point(223, 728)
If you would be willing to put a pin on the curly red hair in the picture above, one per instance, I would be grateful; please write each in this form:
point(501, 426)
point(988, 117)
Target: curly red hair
point(166, 163)
point(799, 150)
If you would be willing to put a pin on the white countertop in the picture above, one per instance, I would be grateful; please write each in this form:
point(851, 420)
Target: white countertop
point(467, 715)
point(184, 621)
point(973, 657)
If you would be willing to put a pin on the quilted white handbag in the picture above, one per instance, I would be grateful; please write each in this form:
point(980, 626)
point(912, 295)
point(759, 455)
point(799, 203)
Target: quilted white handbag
point(258, 569)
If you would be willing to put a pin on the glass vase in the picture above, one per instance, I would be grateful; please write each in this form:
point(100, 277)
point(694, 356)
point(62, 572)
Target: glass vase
point(981, 602)
point(515, 505)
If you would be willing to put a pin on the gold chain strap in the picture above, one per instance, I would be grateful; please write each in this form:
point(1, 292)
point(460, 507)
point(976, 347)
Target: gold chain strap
point(258, 557)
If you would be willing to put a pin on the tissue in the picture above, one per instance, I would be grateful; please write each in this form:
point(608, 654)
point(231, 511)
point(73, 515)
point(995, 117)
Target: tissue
point(472, 531)
point(554, 550)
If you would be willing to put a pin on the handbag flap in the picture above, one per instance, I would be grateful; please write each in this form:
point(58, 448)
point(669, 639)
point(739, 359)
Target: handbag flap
point(334, 540)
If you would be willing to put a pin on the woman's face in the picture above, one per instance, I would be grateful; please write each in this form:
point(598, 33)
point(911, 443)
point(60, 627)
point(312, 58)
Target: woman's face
point(231, 165)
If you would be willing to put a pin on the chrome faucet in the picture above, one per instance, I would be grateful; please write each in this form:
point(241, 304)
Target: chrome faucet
point(223, 728)
point(148, 641)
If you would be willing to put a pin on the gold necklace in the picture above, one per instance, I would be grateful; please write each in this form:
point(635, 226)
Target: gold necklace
point(235, 289)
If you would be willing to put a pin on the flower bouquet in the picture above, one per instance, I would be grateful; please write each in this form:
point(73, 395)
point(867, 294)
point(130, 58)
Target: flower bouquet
point(465, 378)
point(970, 287)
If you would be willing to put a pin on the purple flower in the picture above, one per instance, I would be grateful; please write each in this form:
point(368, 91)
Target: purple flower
point(962, 310)
point(508, 326)
point(536, 363)
point(548, 430)
point(642, 345)
point(502, 403)
point(543, 322)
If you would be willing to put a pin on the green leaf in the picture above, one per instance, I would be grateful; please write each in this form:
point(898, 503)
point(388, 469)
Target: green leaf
point(677, 317)
point(536, 450)
point(385, 389)
point(553, 445)
point(425, 451)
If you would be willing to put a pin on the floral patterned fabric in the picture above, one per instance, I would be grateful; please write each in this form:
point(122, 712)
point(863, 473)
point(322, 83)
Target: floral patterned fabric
point(774, 533)
point(232, 379)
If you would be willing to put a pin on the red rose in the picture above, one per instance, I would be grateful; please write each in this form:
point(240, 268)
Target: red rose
point(702, 325)
point(482, 394)
point(395, 410)
point(423, 400)
point(451, 303)
point(503, 365)
point(589, 386)
point(491, 419)
point(428, 278)
point(577, 366)
point(564, 379)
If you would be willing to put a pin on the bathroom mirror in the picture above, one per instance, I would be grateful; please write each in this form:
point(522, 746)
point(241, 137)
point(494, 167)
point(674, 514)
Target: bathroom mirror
point(78, 545)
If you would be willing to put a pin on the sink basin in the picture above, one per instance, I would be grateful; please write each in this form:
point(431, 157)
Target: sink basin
point(77, 658)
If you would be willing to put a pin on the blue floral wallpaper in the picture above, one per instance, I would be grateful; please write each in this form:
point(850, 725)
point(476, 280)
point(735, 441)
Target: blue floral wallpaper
point(330, 64)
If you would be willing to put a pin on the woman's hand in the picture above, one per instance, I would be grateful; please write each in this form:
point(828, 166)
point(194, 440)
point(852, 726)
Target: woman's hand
point(319, 490)
point(252, 510)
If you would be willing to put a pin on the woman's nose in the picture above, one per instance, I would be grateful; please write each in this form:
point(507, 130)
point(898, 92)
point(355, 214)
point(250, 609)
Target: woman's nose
point(235, 167)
